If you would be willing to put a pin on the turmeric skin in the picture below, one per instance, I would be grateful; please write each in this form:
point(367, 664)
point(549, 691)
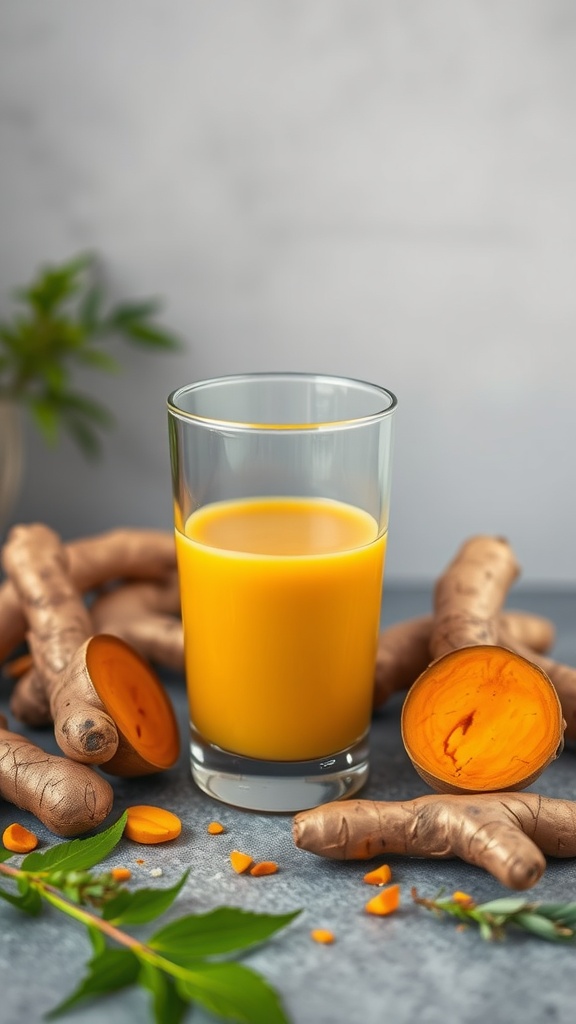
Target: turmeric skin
point(507, 834)
point(18, 839)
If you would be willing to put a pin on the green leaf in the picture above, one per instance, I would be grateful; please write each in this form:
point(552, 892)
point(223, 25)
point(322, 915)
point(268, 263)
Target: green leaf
point(109, 971)
point(219, 931)
point(142, 905)
point(28, 901)
point(78, 854)
point(127, 313)
point(506, 905)
point(97, 939)
point(542, 927)
point(149, 337)
point(98, 360)
point(234, 992)
point(168, 1005)
point(5, 854)
point(47, 418)
point(563, 912)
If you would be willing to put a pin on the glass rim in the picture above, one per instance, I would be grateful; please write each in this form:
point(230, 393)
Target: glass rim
point(234, 424)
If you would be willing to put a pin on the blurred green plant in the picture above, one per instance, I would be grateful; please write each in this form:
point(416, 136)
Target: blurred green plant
point(62, 325)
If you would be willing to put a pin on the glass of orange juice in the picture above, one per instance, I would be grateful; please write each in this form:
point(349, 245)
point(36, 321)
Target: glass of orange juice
point(281, 488)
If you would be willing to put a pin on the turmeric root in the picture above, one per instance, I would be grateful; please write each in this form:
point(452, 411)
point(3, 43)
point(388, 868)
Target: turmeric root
point(146, 614)
point(35, 560)
point(480, 719)
point(509, 834)
point(470, 593)
point(124, 553)
point(404, 647)
point(29, 701)
point(69, 798)
point(107, 704)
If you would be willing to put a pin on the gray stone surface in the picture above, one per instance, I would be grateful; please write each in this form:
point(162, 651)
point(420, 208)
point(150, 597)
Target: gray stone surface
point(406, 968)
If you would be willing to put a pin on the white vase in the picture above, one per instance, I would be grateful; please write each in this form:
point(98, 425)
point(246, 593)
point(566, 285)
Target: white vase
point(11, 460)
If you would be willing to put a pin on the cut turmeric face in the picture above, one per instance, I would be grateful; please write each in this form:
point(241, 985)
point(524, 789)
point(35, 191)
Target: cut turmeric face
point(137, 702)
point(481, 718)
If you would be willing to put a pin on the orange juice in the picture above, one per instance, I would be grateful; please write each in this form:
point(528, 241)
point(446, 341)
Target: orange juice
point(281, 608)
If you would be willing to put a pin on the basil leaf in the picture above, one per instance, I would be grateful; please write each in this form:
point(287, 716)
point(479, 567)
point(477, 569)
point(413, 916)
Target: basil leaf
point(167, 1004)
point(78, 854)
point(109, 971)
point(141, 906)
point(233, 992)
point(219, 931)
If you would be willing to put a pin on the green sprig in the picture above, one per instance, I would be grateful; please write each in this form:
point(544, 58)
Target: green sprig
point(61, 325)
point(555, 922)
point(182, 963)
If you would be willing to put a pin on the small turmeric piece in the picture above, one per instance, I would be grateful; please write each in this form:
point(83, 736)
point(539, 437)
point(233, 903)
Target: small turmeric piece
point(18, 839)
point(380, 876)
point(241, 862)
point(215, 828)
point(264, 867)
point(121, 874)
point(323, 935)
point(149, 825)
point(463, 898)
point(385, 902)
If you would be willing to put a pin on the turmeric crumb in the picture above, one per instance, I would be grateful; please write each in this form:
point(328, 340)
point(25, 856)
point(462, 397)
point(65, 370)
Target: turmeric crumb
point(215, 828)
point(380, 876)
point(241, 861)
point(322, 935)
point(463, 898)
point(264, 867)
point(140, 860)
point(386, 902)
point(121, 874)
point(18, 839)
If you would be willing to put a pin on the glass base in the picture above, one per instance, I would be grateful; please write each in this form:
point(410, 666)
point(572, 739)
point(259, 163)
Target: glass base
point(257, 785)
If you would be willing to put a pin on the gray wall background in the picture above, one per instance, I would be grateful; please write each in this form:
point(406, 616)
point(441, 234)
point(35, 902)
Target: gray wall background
point(384, 189)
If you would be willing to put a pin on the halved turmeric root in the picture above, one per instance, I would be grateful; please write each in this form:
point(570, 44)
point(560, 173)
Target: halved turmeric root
point(481, 719)
point(107, 704)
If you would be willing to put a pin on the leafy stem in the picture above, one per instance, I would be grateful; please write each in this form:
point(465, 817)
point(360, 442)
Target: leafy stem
point(182, 963)
point(555, 922)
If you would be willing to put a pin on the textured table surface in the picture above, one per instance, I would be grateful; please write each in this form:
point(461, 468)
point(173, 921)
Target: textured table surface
point(406, 968)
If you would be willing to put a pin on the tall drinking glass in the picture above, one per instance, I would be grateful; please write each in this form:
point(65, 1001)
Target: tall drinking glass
point(281, 497)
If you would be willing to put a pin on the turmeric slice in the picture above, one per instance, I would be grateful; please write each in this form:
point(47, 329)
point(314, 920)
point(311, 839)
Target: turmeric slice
point(385, 902)
point(241, 862)
point(149, 825)
point(380, 876)
point(264, 867)
point(482, 719)
point(214, 828)
point(18, 839)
